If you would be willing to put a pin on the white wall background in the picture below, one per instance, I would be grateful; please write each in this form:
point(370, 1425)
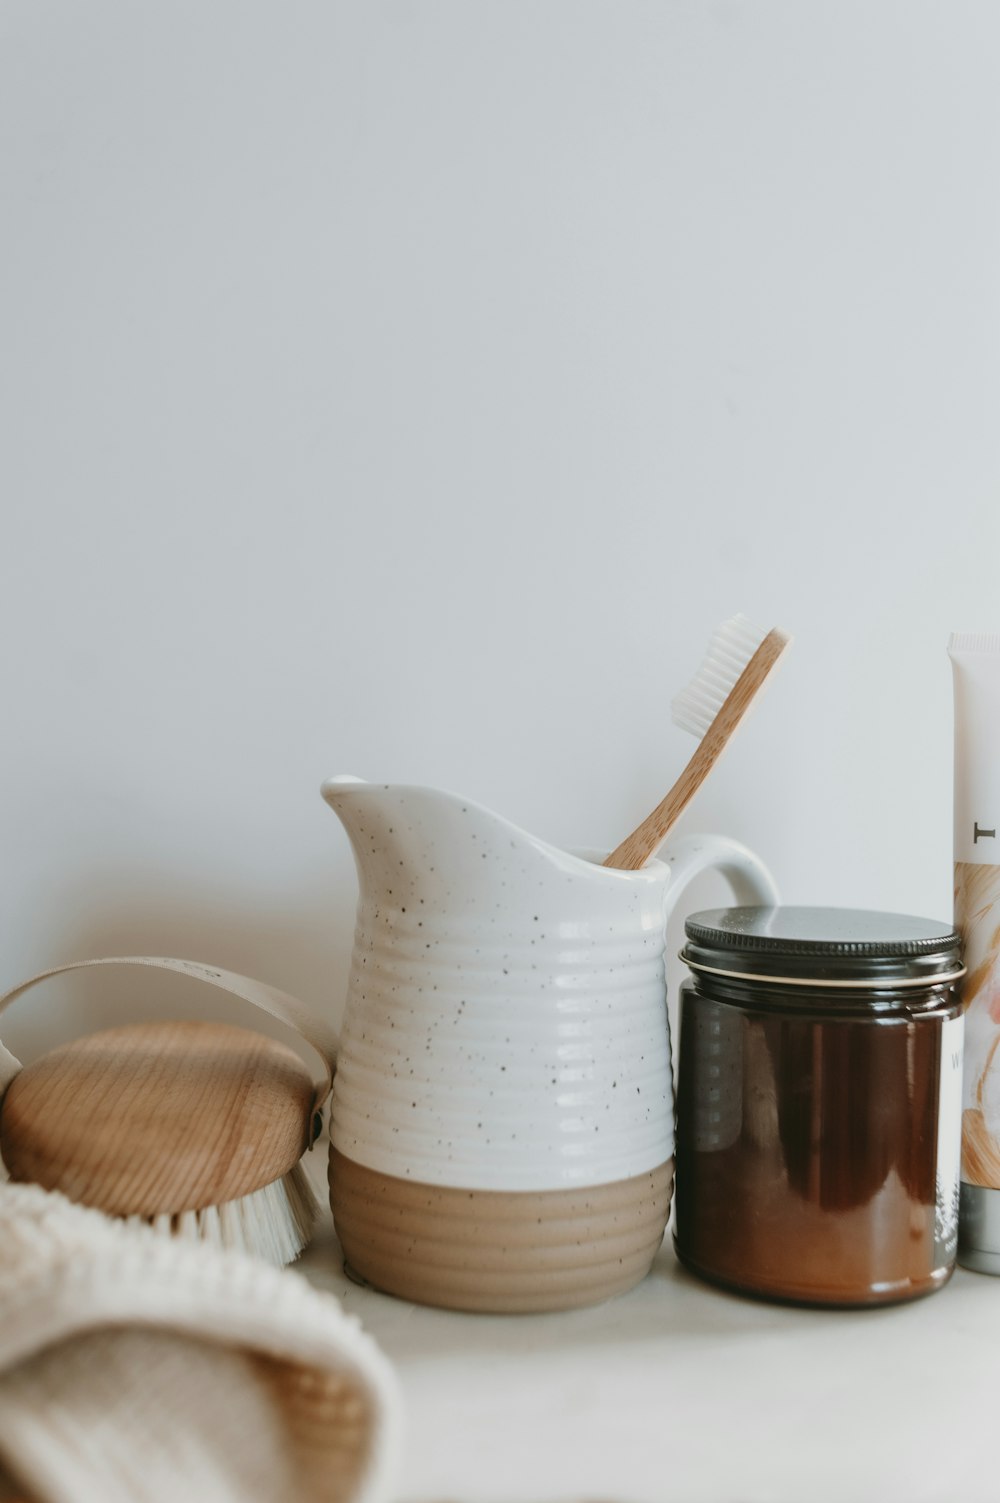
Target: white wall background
point(410, 388)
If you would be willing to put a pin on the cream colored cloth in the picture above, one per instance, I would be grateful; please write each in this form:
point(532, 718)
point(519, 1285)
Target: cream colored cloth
point(136, 1368)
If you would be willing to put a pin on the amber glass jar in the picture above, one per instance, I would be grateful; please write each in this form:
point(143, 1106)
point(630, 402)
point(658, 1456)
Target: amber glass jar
point(819, 1103)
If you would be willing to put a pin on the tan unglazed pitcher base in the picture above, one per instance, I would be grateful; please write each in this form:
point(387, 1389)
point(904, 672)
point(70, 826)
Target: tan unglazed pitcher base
point(500, 1251)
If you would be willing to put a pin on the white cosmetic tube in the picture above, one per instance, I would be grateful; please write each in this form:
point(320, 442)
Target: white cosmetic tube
point(975, 661)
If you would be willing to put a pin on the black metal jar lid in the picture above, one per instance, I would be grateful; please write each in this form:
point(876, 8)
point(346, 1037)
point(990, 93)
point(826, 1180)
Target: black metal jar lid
point(841, 947)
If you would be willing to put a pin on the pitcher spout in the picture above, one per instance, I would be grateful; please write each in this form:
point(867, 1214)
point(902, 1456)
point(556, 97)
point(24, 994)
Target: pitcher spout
point(420, 847)
point(413, 845)
point(366, 812)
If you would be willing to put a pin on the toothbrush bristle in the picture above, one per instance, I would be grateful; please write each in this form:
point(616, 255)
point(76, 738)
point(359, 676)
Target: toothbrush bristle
point(730, 650)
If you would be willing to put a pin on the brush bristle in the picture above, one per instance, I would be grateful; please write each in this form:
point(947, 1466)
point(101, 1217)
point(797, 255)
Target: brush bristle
point(730, 650)
point(273, 1223)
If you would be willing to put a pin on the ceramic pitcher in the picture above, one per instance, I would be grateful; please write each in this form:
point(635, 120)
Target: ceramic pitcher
point(503, 1115)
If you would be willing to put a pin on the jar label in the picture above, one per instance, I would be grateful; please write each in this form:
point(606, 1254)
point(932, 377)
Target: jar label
point(949, 1141)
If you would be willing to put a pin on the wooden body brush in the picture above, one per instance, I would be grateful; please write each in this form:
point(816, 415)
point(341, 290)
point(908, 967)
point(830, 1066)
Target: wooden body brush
point(739, 660)
point(197, 1128)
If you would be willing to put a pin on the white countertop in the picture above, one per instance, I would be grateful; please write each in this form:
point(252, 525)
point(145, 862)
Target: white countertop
point(678, 1393)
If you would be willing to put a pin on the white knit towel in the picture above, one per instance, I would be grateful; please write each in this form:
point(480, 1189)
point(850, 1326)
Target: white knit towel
point(141, 1369)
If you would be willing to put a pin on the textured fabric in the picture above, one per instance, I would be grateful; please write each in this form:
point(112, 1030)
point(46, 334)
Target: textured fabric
point(135, 1369)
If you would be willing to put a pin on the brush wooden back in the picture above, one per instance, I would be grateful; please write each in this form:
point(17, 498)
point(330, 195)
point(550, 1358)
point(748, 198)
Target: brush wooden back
point(158, 1118)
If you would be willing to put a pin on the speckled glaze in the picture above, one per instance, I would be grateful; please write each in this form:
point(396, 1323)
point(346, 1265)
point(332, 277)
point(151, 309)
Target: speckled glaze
point(506, 1025)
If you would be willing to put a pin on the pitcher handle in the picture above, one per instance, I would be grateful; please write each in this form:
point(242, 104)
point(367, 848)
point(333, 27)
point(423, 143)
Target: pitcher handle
point(746, 874)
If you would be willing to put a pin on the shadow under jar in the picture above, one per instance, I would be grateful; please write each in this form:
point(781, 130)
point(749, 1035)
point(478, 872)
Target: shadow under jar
point(819, 1104)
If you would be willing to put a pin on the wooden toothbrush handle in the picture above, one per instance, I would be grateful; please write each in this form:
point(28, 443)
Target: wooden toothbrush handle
point(636, 849)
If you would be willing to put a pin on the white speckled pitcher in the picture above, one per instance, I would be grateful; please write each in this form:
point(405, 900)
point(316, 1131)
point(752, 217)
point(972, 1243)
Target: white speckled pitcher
point(503, 1113)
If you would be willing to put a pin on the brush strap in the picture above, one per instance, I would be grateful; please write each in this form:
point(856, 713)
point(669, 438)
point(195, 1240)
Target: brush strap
point(321, 1039)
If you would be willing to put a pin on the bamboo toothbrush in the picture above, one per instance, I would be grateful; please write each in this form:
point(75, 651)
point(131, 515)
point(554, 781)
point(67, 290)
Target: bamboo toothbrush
point(739, 660)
